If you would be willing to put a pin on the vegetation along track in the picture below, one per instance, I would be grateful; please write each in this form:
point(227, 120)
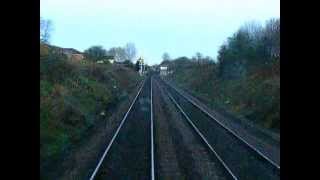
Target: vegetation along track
point(242, 160)
point(129, 154)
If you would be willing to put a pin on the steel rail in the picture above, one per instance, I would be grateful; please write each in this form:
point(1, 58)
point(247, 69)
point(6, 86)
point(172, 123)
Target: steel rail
point(115, 135)
point(225, 127)
point(202, 137)
point(152, 140)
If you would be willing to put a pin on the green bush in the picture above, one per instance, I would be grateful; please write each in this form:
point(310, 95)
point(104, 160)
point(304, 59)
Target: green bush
point(72, 96)
point(246, 79)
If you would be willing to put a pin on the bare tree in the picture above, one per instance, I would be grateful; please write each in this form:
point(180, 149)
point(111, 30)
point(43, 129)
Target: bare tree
point(166, 57)
point(254, 30)
point(130, 51)
point(199, 56)
point(45, 30)
point(118, 53)
point(272, 37)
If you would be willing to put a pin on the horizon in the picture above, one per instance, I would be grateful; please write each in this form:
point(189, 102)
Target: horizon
point(177, 27)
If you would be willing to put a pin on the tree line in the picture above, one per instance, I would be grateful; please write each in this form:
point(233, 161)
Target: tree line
point(244, 79)
point(46, 28)
point(120, 54)
point(124, 54)
point(250, 48)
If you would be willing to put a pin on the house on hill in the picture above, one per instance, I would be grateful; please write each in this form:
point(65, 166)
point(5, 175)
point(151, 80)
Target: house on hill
point(73, 54)
point(105, 59)
point(163, 70)
point(111, 59)
point(70, 51)
point(76, 57)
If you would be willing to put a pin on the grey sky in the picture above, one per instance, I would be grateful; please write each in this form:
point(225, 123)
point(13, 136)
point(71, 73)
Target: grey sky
point(179, 27)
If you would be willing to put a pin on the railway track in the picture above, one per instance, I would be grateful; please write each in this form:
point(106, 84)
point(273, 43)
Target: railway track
point(261, 140)
point(240, 158)
point(130, 154)
point(181, 144)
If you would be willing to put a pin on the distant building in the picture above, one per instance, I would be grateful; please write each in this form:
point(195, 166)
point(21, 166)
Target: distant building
point(100, 62)
point(70, 51)
point(163, 70)
point(111, 59)
point(105, 59)
point(76, 57)
point(72, 54)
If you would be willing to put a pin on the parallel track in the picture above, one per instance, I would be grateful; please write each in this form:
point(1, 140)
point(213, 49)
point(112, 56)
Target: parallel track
point(228, 129)
point(227, 172)
point(176, 97)
point(275, 167)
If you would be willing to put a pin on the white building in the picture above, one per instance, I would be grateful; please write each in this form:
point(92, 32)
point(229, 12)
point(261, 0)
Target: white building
point(100, 62)
point(111, 59)
point(163, 70)
point(105, 59)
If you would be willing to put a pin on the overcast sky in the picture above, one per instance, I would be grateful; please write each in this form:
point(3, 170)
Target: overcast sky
point(179, 27)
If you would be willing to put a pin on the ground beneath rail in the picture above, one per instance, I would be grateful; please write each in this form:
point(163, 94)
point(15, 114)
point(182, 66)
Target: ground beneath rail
point(179, 152)
point(263, 141)
point(129, 155)
point(242, 161)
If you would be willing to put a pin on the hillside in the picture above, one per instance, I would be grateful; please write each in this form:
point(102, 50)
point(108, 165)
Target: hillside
point(245, 79)
point(74, 97)
point(255, 99)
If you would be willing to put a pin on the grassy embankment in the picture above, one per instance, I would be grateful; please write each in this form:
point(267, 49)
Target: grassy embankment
point(74, 96)
point(245, 79)
point(255, 97)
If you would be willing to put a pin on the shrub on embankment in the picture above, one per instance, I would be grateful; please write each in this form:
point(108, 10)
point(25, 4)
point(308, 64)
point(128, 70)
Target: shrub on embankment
point(245, 81)
point(73, 97)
